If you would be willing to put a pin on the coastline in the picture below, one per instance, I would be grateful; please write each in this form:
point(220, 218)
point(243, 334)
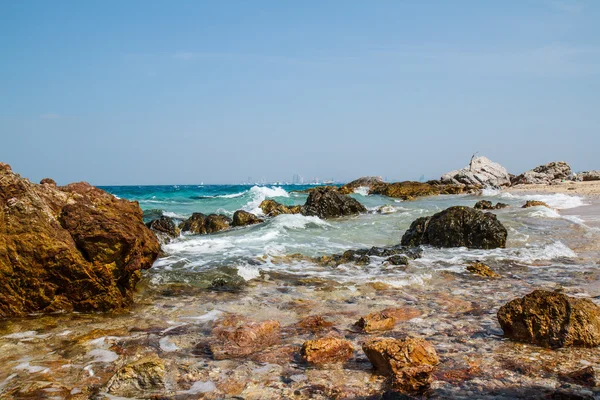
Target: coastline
point(590, 188)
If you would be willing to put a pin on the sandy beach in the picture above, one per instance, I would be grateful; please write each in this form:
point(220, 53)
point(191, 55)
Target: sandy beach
point(591, 189)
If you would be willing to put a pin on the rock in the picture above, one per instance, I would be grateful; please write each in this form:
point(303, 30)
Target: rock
point(487, 205)
point(409, 362)
point(327, 350)
point(70, 248)
point(405, 190)
point(481, 171)
point(376, 321)
point(312, 324)
point(245, 340)
point(587, 176)
point(585, 377)
point(202, 224)
point(146, 374)
point(48, 181)
point(365, 181)
point(396, 255)
point(271, 208)
point(481, 269)
point(551, 319)
point(457, 227)
point(544, 174)
point(327, 203)
point(535, 203)
point(165, 229)
point(398, 259)
point(243, 218)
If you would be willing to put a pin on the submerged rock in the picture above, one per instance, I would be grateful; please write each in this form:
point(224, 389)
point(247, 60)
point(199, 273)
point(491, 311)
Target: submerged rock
point(164, 228)
point(487, 205)
point(551, 319)
point(271, 208)
point(365, 181)
point(243, 218)
point(327, 203)
point(142, 375)
point(481, 269)
point(74, 247)
point(480, 171)
point(327, 350)
point(376, 321)
point(395, 255)
point(535, 203)
point(202, 224)
point(245, 340)
point(585, 377)
point(544, 174)
point(457, 227)
point(409, 362)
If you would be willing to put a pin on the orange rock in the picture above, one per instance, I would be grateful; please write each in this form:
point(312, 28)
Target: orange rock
point(327, 350)
point(246, 339)
point(409, 362)
point(376, 321)
point(67, 248)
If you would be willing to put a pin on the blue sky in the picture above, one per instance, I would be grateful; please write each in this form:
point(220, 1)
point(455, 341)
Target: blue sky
point(155, 92)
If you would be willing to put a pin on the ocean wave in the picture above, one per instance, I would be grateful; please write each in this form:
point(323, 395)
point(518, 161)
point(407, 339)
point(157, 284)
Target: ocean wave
point(259, 194)
point(555, 200)
point(297, 221)
point(171, 214)
point(362, 190)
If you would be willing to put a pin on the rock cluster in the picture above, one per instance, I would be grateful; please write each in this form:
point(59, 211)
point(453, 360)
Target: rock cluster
point(544, 174)
point(68, 248)
point(409, 362)
point(328, 203)
point(487, 205)
point(587, 176)
point(480, 171)
point(202, 224)
point(244, 218)
point(395, 255)
point(457, 227)
point(551, 319)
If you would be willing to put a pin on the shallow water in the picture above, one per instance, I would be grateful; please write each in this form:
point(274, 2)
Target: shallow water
point(75, 355)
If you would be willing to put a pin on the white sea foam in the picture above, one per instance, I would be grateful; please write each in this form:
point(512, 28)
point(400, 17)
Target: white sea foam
point(543, 212)
point(25, 366)
point(103, 356)
point(555, 200)
point(297, 221)
point(232, 196)
point(166, 345)
point(260, 193)
point(248, 272)
point(173, 215)
point(490, 192)
point(362, 190)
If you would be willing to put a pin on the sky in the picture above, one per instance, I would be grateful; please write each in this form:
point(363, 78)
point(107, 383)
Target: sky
point(183, 92)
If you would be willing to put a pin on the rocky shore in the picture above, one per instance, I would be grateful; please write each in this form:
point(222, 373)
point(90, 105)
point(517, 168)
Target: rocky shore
point(495, 329)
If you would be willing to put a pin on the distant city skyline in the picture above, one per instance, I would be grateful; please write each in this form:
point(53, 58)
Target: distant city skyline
point(149, 92)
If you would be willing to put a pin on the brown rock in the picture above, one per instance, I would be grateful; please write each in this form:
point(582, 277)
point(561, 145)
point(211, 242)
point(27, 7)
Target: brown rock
point(535, 203)
point(327, 350)
point(70, 248)
point(584, 377)
point(246, 339)
point(481, 269)
point(376, 321)
point(328, 203)
point(48, 181)
point(272, 208)
point(405, 190)
point(551, 319)
point(409, 362)
point(243, 218)
point(402, 313)
point(164, 228)
point(313, 323)
point(202, 224)
point(147, 373)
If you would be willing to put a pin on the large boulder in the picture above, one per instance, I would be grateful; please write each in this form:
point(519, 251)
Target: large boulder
point(407, 190)
point(544, 174)
point(409, 362)
point(328, 203)
point(480, 171)
point(551, 319)
point(202, 224)
point(68, 248)
point(457, 227)
point(271, 208)
point(243, 218)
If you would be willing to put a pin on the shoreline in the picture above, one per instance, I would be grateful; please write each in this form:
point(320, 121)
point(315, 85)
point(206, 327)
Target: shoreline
point(588, 189)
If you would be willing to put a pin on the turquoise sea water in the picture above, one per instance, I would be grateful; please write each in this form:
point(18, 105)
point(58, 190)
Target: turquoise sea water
point(535, 234)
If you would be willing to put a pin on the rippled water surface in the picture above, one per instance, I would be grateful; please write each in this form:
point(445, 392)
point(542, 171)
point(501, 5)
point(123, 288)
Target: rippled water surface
point(74, 356)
